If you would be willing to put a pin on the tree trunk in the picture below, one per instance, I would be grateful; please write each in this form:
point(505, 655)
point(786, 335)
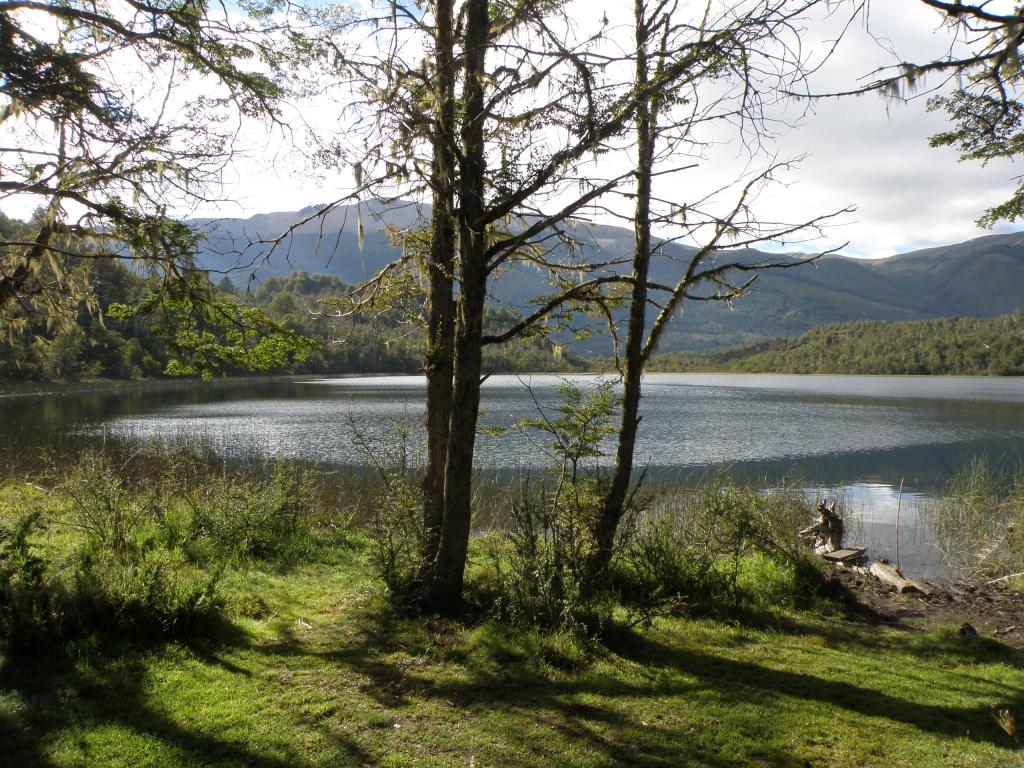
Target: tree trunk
point(614, 502)
point(446, 587)
point(441, 307)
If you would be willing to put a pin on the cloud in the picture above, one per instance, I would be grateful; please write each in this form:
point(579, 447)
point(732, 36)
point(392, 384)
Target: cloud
point(861, 151)
point(874, 153)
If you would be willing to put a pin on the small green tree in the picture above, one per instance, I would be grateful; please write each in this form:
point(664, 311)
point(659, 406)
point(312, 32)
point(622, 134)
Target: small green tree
point(544, 571)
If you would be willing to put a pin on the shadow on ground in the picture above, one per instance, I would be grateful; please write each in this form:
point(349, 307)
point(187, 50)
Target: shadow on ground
point(535, 698)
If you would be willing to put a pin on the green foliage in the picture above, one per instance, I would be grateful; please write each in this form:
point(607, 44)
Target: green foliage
point(148, 592)
point(105, 507)
point(197, 329)
point(985, 128)
point(542, 572)
point(234, 519)
point(30, 606)
point(398, 535)
point(141, 552)
point(583, 423)
point(539, 572)
point(950, 346)
point(116, 156)
point(720, 548)
point(207, 331)
point(396, 524)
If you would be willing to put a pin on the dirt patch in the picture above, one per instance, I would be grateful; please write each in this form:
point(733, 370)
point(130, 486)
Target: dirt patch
point(994, 610)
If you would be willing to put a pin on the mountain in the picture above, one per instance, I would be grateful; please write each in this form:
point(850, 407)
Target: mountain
point(979, 278)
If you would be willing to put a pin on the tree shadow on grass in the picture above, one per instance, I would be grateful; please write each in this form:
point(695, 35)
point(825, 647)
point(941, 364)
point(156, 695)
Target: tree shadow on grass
point(599, 711)
point(105, 685)
point(754, 682)
point(525, 693)
point(521, 707)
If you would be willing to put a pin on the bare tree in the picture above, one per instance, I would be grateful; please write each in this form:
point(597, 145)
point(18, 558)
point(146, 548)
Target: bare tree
point(491, 110)
point(756, 55)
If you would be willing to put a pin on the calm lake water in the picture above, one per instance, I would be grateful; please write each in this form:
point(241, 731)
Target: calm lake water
point(853, 436)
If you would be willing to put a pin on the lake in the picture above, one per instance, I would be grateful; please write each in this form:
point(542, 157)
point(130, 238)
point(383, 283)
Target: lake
point(858, 437)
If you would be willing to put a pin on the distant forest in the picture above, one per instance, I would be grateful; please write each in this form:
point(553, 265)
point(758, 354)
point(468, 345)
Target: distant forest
point(98, 346)
point(947, 346)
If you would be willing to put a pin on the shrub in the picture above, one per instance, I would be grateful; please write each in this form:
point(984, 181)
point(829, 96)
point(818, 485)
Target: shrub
point(541, 569)
point(125, 556)
point(398, 535)
point(544, 573)
point(154, 592)
point(719, 548)
point(31, 607)
point(237, 519)
point(105, 507)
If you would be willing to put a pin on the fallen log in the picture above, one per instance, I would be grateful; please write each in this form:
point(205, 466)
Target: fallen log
point(887, 573)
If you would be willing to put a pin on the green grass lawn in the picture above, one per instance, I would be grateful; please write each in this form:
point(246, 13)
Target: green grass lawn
point(320, 673)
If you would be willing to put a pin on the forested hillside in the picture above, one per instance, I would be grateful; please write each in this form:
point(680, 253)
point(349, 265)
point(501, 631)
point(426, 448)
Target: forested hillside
point(98, 345)
point(983, 277)
point(948, 346)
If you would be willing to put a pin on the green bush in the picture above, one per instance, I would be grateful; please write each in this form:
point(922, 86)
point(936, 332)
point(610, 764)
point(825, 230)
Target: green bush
point(544, 572)
point(719, 548)
point(540, 571)
point(31, 605)
point(111, 513)
point(154, 592)
point(117, 550)
point(237, 519)
point(398, 535)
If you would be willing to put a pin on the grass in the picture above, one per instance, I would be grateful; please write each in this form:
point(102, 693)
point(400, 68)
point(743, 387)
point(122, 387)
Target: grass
point(311, 666)
point(323, 674)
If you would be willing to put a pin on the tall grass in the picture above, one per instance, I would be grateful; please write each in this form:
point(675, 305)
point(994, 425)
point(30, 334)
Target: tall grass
point(978, 521)
point(138, 545)
point(721, 547)
point(717, 548)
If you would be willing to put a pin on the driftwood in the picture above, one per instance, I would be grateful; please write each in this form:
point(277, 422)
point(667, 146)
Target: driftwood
point(828, 542)
point(850, 555)
point(1002, 578)
point(828, 531)
point(887, 573)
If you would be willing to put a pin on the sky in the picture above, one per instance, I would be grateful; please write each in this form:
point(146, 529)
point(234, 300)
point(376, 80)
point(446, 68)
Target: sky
point(866, 151)
point(874, 153)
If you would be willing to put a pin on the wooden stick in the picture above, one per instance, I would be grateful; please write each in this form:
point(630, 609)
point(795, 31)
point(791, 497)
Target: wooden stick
point(1003, 578)
point(899, 500)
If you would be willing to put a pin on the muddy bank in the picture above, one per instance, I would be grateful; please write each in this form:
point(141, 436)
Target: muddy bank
point(994, 610)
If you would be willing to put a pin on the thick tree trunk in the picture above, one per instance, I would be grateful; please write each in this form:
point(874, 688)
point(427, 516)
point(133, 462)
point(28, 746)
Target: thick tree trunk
point(613, 507)
point(441, 306)
point(450, 566)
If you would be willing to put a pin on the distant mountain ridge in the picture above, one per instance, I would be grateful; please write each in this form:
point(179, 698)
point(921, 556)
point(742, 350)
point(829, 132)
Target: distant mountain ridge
point(983, 277)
